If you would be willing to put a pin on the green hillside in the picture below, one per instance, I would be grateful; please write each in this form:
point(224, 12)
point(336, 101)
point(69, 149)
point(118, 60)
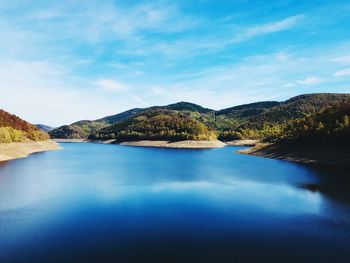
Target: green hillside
point(120, 116)
point(14, 129)
point(187, 106)
point(331, 125)
point(156, 124)
point(271, 123)
point(82, 129)
point(260, 120)
point(77, 130)
point(300, 106)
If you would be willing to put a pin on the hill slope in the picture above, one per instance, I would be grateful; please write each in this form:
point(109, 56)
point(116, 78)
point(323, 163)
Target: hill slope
point(14, 129)
point(82, 129)
point(258, 120)
point(320, 138)
point(330, 126)
point(301, 106)
point(77, 130)
point(156, 124)
point(271, 123)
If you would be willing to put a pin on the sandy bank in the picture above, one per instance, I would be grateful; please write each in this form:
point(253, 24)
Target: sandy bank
point(312, 154)
point(181, 144)
point(70, 140)
point(9, 151)
point(242, 142)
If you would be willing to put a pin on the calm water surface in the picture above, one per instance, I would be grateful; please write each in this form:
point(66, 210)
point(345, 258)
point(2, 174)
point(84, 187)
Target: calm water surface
point(108, 203)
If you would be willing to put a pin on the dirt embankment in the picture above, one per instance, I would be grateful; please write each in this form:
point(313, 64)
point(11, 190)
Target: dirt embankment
point(10, 151)
point(180, 144)
point(315, 154)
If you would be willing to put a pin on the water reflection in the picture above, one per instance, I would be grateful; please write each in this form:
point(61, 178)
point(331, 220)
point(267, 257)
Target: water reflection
point(95, 194)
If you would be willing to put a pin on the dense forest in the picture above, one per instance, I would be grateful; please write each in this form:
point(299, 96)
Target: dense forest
point(157, 124)
point(267, 120)
point(77, 130)
point(14, 129)
point(332, 125)
point(271, 124)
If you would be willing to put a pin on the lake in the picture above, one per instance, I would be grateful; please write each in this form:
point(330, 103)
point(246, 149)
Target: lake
point(109, 203)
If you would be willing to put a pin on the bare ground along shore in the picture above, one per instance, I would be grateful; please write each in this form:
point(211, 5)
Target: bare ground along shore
point(189, 144)
point(180, 144)
point(242, 142)
point(10, 151)
point(70, 140)
point(312, 154)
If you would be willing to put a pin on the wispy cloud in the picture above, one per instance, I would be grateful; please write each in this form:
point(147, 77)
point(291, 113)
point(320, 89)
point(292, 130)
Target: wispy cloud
point(156, 52)
point(310, 80)
point(211, 43)
point(108, 21)
point(111, 85)
point(281, 75)
point(28, 87)
point(342, 59)
point(268, 28)
point(343, 72)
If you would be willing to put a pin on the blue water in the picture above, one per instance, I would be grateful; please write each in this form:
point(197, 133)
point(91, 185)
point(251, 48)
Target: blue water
point(108, 203)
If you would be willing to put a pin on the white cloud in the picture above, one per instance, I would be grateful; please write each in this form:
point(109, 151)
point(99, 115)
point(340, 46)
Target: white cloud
point(288, 85)
point(310, 80)
point(110, 21)
point(254, 78)
point(111, 85)
point(342, 59)
point(343, 72)
point(208, 44)
point(140, 101)
point(268, 28)
point(42, 92)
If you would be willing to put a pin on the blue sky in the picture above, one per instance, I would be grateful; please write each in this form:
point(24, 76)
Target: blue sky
point(62, 61)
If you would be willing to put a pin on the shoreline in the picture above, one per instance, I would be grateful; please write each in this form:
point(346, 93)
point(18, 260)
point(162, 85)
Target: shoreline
point(306, 154)
point(70, 140)
point(188, 144)
point(17, 150)
point(243, 142)
point(331, 155)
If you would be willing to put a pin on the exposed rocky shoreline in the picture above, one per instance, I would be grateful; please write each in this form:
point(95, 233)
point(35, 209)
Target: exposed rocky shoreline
point(333, 155)
point(180, 144)
point(189, 144)
point(15, 150)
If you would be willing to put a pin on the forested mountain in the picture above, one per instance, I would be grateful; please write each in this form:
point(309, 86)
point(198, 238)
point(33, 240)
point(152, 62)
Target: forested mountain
point(120, 116)
point(14, 129)
point(77, 130)
point(260, 120)
point(186, 106)
point(331, 125)
point(248, 110)
point(156, 124)
point(271, 123)
point(300, 106)
point(82, 129)
point(232, 118)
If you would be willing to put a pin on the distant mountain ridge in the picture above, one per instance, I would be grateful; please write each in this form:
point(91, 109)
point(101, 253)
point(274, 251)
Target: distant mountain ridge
point(156, 124)
point(82, 129)
point(44, 128)
point(254, 120)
